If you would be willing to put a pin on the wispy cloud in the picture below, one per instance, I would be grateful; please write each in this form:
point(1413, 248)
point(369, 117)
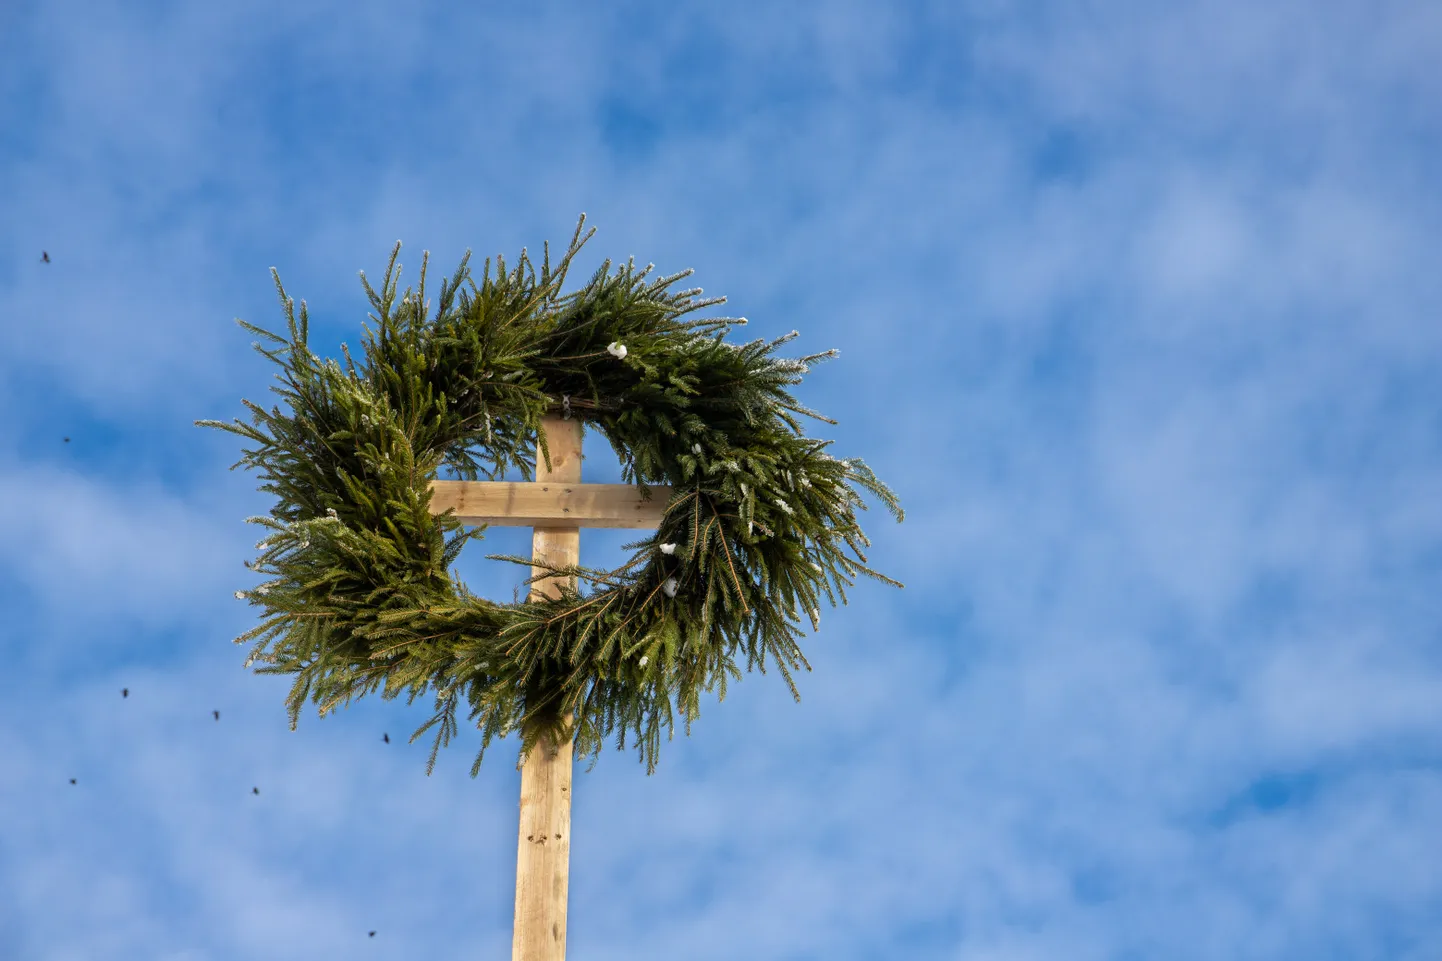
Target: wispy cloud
point(1136, 311)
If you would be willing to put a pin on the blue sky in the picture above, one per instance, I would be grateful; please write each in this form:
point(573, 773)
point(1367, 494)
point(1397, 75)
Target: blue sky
point(1136, 311)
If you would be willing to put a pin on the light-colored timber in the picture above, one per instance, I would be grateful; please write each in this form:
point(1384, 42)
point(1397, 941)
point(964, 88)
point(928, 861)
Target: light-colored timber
point(543, 858)
point(557, 505)
point(550, 502)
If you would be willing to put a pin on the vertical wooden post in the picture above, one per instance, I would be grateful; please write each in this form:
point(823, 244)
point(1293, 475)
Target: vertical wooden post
point(543, 858)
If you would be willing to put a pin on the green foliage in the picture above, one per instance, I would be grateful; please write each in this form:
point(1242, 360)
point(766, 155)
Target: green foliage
point(360, 597)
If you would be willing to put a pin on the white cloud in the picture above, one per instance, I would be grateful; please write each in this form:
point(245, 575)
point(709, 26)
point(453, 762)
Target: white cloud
point(129, 553)
point(1159, 409)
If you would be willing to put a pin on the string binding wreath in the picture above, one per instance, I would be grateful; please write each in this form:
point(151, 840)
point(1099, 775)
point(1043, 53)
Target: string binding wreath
point(359, 594)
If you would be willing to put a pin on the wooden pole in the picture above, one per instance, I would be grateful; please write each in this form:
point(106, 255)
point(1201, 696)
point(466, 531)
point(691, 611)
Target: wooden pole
point(543, 858)
point(556, 505)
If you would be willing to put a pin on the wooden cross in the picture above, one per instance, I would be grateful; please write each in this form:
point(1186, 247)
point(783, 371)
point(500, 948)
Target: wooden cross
point(557, 505)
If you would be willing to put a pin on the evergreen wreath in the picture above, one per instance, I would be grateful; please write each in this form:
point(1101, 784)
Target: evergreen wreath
point(762, 521)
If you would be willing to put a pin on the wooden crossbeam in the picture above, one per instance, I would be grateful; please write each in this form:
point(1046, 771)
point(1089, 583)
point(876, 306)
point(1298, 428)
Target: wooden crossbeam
point(557, 505)
point(549, 504)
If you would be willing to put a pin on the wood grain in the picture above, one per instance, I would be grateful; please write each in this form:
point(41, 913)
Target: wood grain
point(550, 502)
point(543, 858)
